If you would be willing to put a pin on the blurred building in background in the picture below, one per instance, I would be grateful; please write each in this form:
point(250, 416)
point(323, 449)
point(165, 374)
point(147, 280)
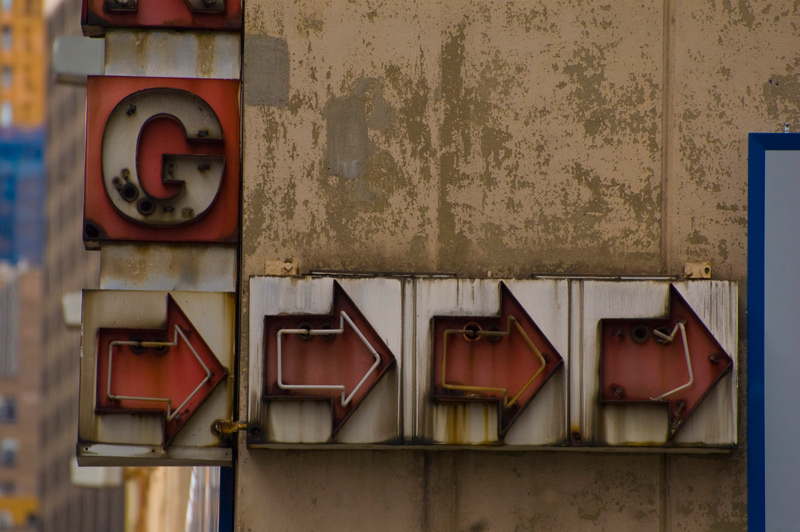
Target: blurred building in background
point(67, 269)
point(20, 397)
point(21, 63)
point(22, 195)
point(22, 199)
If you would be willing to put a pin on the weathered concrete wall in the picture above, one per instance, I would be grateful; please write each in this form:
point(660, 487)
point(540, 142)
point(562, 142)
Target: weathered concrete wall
point(563, 137)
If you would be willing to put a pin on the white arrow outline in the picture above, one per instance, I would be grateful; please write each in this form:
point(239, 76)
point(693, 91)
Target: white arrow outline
point(667, 339)
point(321, 332)
point(170, 413)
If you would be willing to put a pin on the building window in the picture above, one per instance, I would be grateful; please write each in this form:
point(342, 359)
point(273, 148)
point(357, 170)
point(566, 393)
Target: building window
point(8, 410)
point(7, 72)
point(6, 114)
point(7, 37)
point(9, 448)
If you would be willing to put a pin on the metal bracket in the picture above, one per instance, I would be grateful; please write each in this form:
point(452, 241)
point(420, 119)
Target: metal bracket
point(226, 427)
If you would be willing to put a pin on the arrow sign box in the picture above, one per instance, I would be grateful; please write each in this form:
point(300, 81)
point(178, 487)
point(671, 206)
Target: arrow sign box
point(155, 377)
point(673, 361)
point(337, 357)
point(504, 359)
point(169, 371)
point(504, 386)
point(324, 357)
point(658, 364)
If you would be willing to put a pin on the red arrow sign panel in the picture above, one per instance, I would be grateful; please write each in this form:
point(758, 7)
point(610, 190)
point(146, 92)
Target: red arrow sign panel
point(673, 361)
point(506, 359)
point(168, 371)
point(337, 357)
point(97, 15)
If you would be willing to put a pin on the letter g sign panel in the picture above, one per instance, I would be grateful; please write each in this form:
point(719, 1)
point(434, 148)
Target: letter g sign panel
point(162, 160)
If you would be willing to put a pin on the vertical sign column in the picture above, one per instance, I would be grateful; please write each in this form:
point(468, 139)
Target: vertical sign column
point(161, 203)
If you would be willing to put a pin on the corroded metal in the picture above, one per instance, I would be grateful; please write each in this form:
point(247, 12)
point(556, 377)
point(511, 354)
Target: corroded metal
point(337, 358)
point(170, 370)
point(220, 15)
point(673, 361)
point(161, 152)
point(505, 359)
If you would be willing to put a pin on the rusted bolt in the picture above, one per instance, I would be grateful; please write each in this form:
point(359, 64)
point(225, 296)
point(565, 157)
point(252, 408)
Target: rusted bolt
point(91, 231)
point(187, 212)
point(146, 206)
point(132, 108)
point(326, 337)
point(117, 182)
point(202, 133)
point(714, 358)
point(161, 349)
point(619, 392)
point(659, 339)
point(494, 338)
point(137, 348)
point(306, 336)
point(471, 331)
point(125, 173)
point(640, 334)
point(129, 192)
point(204, 167)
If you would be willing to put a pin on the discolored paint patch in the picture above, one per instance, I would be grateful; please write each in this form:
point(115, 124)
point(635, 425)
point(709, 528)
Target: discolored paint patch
point(347, 122)
point(266, 61)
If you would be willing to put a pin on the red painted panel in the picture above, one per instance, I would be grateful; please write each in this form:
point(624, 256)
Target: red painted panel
point(159, 136)
point(166, 14)
point(165, 371)
point(498, 361)
point(636, 365)
point(340, 359)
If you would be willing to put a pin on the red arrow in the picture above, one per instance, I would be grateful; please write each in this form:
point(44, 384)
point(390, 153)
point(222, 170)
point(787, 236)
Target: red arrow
point(168, 371)
point(506, 359)
point(673, 361)
point(337, 357)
